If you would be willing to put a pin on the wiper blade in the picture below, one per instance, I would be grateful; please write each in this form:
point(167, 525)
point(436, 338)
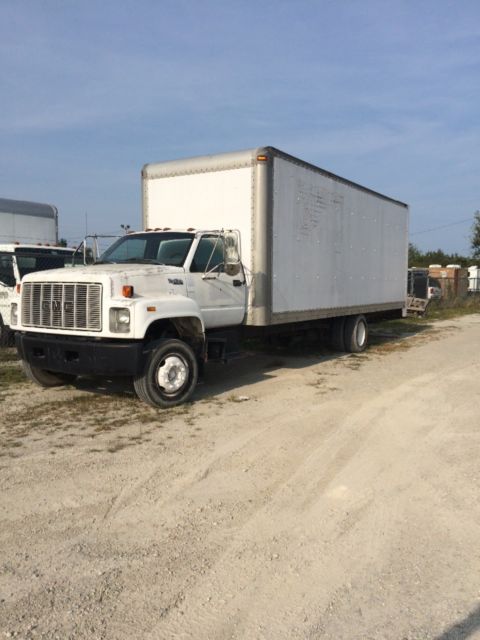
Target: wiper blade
point(140, 261)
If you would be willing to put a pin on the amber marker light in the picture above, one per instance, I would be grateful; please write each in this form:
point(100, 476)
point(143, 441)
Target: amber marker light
point(19, 286)
point(127, 291)
point(151, 308)
point(262, 158)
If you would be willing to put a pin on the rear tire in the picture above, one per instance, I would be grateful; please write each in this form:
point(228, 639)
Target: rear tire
point(46, 378)
point(337, 333)
point(170, 375)
point(356, 334)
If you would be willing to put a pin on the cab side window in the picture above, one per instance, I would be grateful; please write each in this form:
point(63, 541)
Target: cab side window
point(7, 276)
point(208, 256)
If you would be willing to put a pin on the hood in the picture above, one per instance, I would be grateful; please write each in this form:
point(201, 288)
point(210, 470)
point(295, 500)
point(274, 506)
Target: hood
point(93, 273)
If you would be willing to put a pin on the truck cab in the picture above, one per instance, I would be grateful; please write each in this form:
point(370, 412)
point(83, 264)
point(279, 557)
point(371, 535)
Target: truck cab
point(200, 258)
point(144, 309)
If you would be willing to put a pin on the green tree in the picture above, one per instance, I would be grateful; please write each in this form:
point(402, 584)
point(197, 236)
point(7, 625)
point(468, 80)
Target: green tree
point(475, 237)
point(415, 256)
point(419, 258)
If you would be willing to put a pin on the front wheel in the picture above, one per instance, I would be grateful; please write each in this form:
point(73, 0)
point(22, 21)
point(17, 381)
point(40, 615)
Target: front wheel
point(170, 375)
point(46, 378)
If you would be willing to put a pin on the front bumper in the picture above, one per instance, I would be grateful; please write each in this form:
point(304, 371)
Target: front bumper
point(79, 356)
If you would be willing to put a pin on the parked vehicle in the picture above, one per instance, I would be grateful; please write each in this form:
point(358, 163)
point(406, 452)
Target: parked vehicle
point(434, 289)
point(417, 282)
point(246, 243)
point(28, 238)
point(473, 279)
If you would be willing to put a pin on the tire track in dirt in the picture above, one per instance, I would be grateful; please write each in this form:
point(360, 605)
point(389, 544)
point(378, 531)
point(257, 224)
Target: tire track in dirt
point(340, 446)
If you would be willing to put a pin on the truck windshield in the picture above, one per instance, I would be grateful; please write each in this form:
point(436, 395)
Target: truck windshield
point(30, 259)
point(150, 248)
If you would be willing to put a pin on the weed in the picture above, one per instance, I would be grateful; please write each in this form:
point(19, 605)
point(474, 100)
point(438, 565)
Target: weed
point(102, 428)
point(116, 446)
point(8, 355)
point(12, 443)
point(11, 376)
point(234, 398)
point(446, 309)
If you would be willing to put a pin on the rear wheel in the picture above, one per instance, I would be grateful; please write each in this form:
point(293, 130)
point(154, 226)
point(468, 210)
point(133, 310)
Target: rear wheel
point(356, 334)
point(337, 334)
point(170, 375)
point(46, 378)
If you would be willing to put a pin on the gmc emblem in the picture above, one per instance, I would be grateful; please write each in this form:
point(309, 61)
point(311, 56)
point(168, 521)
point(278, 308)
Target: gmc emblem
point(56, 305)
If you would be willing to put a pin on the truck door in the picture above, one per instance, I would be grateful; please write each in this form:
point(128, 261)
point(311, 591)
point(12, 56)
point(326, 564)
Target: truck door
point(221, 297)
point(7, 282)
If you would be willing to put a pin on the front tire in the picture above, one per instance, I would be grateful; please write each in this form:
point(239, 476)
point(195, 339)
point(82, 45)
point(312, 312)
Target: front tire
point(170, 375)
point(46, 378)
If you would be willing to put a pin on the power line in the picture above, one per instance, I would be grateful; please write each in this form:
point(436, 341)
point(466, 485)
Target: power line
point(443, 226)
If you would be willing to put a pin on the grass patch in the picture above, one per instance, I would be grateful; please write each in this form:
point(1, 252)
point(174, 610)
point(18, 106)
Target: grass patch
point(11, 376)
point(87, 418)
point(8, 355)
point(400, 327)
point(437, 310)
point(453, 308)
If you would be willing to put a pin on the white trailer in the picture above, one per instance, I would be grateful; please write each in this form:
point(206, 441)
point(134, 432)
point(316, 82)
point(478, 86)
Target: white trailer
point(28, 239)
point(248, 242)
point(28, 222)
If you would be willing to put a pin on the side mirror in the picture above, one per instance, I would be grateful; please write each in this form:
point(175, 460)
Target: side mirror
point(232, 261)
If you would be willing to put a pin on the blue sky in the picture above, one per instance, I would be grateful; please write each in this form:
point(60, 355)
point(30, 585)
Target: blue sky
point(384, 93)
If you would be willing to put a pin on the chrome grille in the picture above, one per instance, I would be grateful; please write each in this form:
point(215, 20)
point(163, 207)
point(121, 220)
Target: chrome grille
point(62, 305)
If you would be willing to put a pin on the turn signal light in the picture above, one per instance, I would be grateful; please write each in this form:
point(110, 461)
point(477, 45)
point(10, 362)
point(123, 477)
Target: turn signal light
point(127, 291)
point(19, 286)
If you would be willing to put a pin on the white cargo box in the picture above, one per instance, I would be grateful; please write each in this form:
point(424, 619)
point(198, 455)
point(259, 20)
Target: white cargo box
point(28, 222)
point(314, 245)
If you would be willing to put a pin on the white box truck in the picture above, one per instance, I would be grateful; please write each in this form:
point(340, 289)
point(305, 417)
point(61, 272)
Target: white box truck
point(28, 239)
point(233, 244)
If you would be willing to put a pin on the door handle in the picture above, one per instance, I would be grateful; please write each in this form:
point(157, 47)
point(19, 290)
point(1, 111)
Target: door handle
point(238, 283)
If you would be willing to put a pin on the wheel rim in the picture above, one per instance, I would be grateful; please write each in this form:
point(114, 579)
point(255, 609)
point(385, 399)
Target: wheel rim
point(361, 334)
point(172, 374)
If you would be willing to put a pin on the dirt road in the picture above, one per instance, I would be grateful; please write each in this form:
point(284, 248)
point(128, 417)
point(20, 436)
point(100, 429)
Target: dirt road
point(301, 496)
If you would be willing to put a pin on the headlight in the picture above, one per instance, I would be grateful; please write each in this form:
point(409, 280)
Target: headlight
point(14, 313)
point(119, 320)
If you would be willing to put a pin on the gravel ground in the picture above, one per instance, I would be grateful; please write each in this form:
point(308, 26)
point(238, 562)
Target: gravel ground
point(302, 495)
